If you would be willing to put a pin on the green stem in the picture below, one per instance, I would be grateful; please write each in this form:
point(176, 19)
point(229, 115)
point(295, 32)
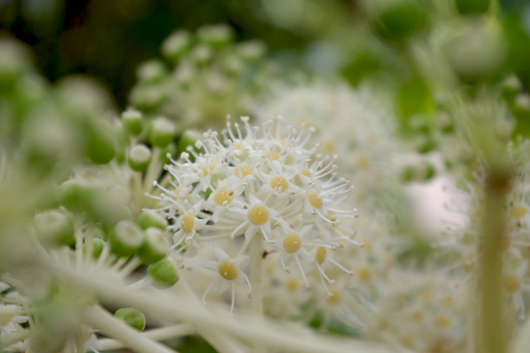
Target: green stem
point(494, 335)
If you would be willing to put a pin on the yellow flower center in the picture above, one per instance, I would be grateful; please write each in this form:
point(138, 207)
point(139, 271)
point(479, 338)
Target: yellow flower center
point(511, 283)
point(321, 255)
point(258, 215)
point(335, 299)
point(223, 195)
point(363, 162)
point(186, 223)
point(314, 199)
point(275, 155)
point(227, 270)
point(518, 211)
point(292, 284)
point(5, 319)
point(236, 146)
point(408, 340)
point(306, 172)
point(176, 192)
point(207, 170)
point(448, 302)
point(442, 321)
point(417, 315)
point(292, 243)
point(364, 273)
point(279, 183)
point(243, 171)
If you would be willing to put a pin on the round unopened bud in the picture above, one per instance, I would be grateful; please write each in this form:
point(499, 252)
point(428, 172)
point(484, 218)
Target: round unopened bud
point(472, 7)
point(176, 44)
point(162, 132)
point(164, 273)
point(151, 71)
point(97, 247)
point(521, 105)
point(100, 147)
point(511, 86)
point(424, 172)
point(147, 96)
point(425, 144)
point(54, 228)
point(476, 54)
point(139, 158)
point(151, 218)
point(132, 121)
point(155, 246)
point(132, 317)
point(398, 19)
point(251, 50)
point(78, 195)
point(126, 238)
point(170, 149)
point(202, 53)
point(188, 138)
point(217, 35)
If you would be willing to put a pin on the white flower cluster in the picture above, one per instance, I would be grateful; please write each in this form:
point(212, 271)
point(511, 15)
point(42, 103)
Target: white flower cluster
point(353, 124)
point(263, 183)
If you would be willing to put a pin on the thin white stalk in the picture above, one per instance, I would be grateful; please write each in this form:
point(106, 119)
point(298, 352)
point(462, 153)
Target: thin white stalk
point(152, 169)
point(180, 309)
point(159, 334)
point(100, 319)
point(256, 281)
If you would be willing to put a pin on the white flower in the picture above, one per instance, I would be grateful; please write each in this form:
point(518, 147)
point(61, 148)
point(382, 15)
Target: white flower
point(229, 271)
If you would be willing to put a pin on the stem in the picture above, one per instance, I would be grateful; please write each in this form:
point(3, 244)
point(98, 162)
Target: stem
point(160, 334)
point(154, 166)
point(100, 319)
point(256, 273)
point(184, 307)
point(494, 335)
point(256, 280)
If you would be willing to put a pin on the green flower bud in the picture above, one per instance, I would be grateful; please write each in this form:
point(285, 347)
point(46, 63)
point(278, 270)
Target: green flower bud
point(151, 218)
point(139, 158)
point(54, 228)
point(176, 44)
point(476, 54)
point(407, 175)
point(472, 7)
point(445, 122)
point(152, 71)
point(100, 147)
point(202, 53)
point(126, 238)
point(97, 247)
point(162, 132)
point(426, 144)
point(424, 172)
point(155, 246)
point(132, 121)
point(398, 19)
point(217, 35)
point(78, 195)
point(164, 273)
point(251, 50)
point(170, 149)
point(132, 317)
point(188, 138)
point(13, 62)
point(147, 97)
point(521, 105)
point(511, 86)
